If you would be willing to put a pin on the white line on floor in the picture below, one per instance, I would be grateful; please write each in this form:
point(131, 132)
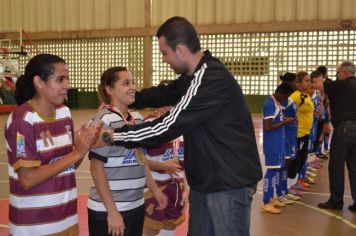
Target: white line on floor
point(328, 213)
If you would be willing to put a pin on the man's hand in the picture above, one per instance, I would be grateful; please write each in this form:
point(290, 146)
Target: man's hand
point(171, 167)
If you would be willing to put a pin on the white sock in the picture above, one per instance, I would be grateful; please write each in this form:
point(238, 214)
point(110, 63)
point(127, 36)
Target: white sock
point(291, 182)
point(165, 232)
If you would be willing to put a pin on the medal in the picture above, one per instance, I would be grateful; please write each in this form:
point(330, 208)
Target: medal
point(140, 156)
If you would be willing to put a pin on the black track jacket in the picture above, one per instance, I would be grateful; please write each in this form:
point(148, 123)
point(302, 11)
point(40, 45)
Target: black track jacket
point(211, 113)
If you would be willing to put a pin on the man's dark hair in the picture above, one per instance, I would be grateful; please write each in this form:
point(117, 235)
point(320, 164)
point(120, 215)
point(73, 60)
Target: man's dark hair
point(178, 30)
point(315, 74)
point(323, 70)
point(285, 88)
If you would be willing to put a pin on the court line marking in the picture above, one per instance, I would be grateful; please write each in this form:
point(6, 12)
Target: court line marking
point(4, 226)
point(260, 190)
point(336, 216)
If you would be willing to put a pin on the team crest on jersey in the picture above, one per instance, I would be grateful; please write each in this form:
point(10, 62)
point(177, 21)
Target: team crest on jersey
point(20, 145)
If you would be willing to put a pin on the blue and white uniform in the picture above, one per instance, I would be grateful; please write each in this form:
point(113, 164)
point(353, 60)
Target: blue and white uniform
point(273, 147)
point(290, 130)
point(273, 141)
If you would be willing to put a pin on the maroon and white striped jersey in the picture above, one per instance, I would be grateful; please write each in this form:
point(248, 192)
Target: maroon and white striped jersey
point(32, 141)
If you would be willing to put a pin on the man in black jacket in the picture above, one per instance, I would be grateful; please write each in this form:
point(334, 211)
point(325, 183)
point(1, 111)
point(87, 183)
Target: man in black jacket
point(342, 96)
point(221, 158)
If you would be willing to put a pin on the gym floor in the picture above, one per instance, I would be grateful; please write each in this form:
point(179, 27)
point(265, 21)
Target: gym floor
point(301, 218)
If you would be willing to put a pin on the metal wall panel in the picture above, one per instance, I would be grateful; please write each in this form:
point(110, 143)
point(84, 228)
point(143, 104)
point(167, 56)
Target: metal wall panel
point(76, 15)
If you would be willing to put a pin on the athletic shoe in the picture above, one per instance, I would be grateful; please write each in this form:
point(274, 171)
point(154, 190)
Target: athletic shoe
point(299, 187)
point(292, 197)
point(331, 205)
point(312, 169)
point(309, 180)
point(277, 203)
point(285, 200)
point(310, 173)
point(303, 184)
point(315, 165)
point(269, 208)
point(295, 192)
point(323, 156)
point(352, 207)
point(327, 153)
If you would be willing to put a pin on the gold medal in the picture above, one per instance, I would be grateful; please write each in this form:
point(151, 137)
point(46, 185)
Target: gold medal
point(140, 156)
point(175, 159)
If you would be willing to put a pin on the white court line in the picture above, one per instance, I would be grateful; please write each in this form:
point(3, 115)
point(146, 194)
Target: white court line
point(4, 226)
point(328, 213)
point(260, 190)
point(338, 217)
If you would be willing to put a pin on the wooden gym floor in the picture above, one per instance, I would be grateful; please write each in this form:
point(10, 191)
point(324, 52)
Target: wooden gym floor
point(302, 218)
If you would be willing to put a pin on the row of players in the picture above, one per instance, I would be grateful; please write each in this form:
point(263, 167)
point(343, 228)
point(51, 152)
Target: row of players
point(296, 122)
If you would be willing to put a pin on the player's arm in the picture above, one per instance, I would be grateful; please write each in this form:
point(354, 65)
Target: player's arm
point(115, 221)
point(30, 177)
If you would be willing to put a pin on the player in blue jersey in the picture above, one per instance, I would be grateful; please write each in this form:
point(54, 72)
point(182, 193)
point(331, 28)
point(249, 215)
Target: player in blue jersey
point(274, 144)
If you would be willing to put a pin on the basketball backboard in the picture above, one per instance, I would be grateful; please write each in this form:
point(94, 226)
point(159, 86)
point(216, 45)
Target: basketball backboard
point(11, 41)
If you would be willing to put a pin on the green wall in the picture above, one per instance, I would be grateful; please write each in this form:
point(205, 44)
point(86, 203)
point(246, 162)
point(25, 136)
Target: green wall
point(255, 102)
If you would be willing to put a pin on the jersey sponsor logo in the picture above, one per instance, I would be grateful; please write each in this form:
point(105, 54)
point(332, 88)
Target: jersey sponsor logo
point(20, 145)
point(130, 158)
point(168, 154)
point(181, 153)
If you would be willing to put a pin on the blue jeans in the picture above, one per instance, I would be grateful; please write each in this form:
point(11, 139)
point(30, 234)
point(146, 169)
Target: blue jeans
point(221, 213)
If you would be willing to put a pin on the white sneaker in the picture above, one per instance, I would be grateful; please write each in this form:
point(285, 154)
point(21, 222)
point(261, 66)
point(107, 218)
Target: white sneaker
point(312, 169)
point(292, 197)
point(311, 174)
point(285, 200)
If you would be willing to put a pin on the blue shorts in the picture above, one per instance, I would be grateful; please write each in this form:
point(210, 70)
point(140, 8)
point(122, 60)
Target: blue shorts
point(291, 143)
point(274, 161)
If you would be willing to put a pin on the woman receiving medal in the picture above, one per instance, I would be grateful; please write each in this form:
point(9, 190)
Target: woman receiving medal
point(116, 203)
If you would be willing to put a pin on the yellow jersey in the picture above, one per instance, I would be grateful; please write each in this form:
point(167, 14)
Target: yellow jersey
point(305, 112)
